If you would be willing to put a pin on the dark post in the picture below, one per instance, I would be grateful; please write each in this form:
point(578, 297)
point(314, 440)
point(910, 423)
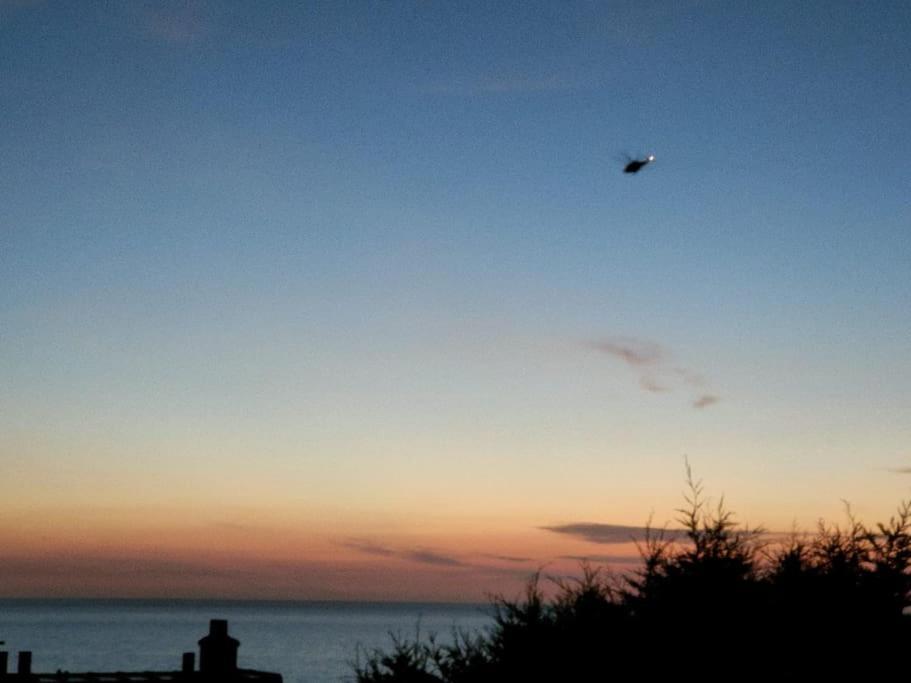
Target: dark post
point(25, 662)
point(218, 650)
point(188, 663)
point(4, 662)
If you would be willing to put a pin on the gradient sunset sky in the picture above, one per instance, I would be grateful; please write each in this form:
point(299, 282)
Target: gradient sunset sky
point(352, 300)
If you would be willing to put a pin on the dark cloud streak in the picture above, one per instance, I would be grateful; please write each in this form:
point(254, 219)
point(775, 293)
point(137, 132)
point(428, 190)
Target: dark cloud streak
point(632, 351)
point(430, 557)
point(508, 558)
point(612, 534)
point(705, 401)
point(421, 555)
point(433, 558)
point(369, 548)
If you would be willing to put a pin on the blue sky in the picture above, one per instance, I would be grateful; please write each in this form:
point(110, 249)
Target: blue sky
point(350, 246)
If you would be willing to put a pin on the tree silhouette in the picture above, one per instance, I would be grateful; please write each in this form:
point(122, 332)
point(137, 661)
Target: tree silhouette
point(728, 603)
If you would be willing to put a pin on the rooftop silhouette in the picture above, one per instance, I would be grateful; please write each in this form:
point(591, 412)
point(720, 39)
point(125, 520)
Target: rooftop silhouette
point(217, 664)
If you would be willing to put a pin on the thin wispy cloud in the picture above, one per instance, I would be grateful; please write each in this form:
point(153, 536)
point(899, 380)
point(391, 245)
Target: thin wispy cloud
point(420, 555)
point(508, 558)
point(626, 560)
point(652, 363)
point(176, 22)
point(649, 384)
point(433, 558)
point(705, 401)
point(525, 84)
point(96, 566)
point(505, 84)
point(238, 576)
point(632, 351)
point(369, 548)
point(693, 379)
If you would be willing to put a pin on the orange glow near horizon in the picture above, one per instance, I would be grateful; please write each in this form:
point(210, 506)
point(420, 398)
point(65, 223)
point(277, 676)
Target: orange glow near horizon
point(276, 553)
point(176, 535)
point(129, 553)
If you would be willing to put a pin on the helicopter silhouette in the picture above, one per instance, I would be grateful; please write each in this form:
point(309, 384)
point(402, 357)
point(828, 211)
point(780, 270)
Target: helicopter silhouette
point(636, 165)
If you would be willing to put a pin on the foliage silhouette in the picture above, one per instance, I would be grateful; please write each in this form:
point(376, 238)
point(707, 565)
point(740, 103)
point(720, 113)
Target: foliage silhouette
point(727, 604)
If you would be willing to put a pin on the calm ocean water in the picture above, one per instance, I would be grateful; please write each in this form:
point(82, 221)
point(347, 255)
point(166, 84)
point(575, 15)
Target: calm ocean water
point(312, 642)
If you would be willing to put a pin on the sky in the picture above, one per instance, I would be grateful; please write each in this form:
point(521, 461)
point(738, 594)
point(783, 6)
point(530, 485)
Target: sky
point(351, 300)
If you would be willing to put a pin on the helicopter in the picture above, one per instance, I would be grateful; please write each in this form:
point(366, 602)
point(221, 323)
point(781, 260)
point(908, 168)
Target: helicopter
point(636, 165)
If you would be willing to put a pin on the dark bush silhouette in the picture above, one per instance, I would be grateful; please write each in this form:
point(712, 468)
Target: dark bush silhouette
point(729, 604)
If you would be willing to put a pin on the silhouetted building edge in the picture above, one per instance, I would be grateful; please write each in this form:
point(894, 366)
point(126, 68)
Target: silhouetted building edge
point(217, 664)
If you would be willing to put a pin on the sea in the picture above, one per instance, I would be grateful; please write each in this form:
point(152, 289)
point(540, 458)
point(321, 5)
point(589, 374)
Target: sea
point(306, 642)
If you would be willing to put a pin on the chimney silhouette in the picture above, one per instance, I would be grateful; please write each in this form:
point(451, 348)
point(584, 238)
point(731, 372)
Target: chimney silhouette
point(218, 650)
point(25, 662)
